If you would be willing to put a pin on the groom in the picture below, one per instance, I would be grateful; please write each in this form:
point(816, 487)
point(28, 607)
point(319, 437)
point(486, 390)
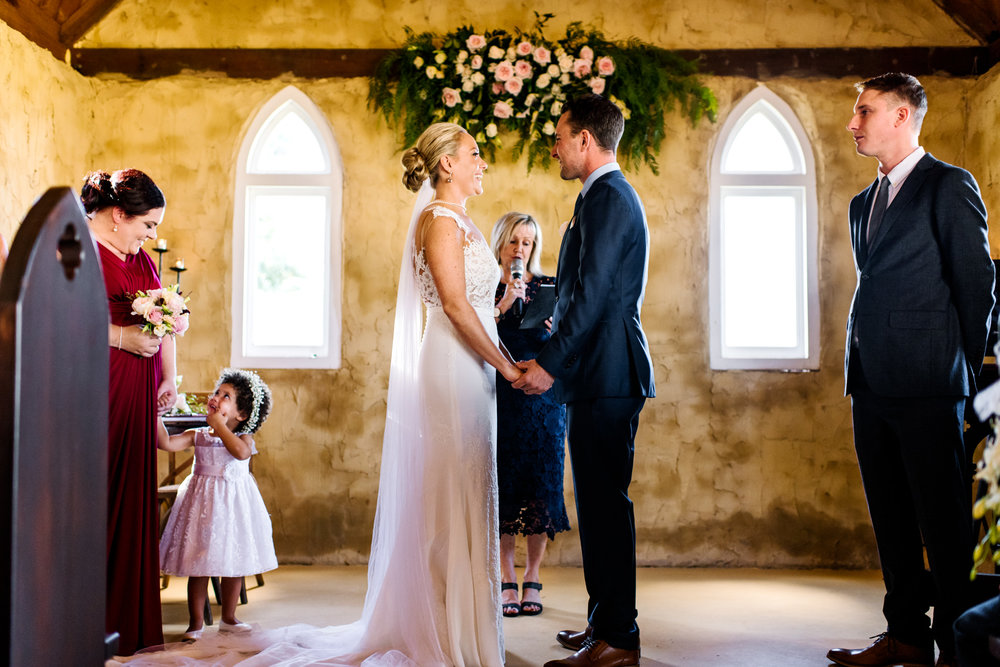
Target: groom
point(598, 361)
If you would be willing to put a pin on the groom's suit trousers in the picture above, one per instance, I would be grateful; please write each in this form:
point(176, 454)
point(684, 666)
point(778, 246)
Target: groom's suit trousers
point(601, 447)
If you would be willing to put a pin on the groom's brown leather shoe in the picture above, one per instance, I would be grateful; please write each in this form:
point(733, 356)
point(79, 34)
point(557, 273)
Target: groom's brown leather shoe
point(884, 652)
point(598, 653)
point(573, 640)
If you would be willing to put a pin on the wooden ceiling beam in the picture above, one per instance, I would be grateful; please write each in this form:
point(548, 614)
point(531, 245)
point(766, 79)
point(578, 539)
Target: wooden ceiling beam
point(979, 18)
point(759, 64)
point(763, 64)
point(236, 63)
point(84, 18)
point(26, 17)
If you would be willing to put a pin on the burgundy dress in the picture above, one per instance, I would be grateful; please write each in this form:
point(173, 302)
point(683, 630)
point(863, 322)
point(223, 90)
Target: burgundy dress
point(133, 602)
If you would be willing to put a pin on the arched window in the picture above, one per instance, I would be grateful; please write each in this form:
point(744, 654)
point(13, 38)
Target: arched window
point(287, 237)
point(763, 293)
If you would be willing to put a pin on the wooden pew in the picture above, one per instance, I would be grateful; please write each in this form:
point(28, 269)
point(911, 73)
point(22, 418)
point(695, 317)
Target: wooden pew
point(53, 441)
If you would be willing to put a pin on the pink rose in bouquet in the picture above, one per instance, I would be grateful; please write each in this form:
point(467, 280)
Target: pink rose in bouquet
point(164, 310)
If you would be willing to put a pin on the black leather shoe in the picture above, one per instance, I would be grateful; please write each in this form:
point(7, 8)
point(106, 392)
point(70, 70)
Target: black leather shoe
point(885, 652)
point(573, 640)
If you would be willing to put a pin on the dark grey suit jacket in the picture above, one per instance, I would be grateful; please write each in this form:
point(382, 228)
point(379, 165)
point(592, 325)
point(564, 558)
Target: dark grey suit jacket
point(598, 348)
point(924, 295)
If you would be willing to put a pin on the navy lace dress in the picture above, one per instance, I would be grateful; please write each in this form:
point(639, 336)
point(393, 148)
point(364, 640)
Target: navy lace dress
point(531, 434)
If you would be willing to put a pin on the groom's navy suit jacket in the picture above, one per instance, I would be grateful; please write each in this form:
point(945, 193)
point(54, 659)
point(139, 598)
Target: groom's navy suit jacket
point(924, 295)
point(598, 348)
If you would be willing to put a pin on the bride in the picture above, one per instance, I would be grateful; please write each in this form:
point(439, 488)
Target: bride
point(433, 595)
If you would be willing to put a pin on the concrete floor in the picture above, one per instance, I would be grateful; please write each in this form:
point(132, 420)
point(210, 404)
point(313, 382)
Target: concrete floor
point(688, 617)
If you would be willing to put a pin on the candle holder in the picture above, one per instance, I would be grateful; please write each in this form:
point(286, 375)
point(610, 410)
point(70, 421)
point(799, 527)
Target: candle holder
point(159, 260)
point(178, 269)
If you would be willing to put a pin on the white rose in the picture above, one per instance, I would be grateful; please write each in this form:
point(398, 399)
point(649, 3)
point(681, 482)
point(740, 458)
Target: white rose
point(549, 128)
point(542, 81)
point(553, 70)
point(440, 57)
point(491, 130)
point(418, 62)
point(468, 86)
point(478, 78)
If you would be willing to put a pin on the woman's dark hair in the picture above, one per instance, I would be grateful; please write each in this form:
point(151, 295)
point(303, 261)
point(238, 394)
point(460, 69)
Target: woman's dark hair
point(129, 189)
point(599, 116)
point(244, 383)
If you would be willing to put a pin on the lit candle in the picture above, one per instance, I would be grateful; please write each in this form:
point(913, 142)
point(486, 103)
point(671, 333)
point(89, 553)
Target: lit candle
point(161, 244)
point(179, 264)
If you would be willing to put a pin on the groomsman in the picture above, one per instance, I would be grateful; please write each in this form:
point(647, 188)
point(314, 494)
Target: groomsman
point(598, 363)
point(916, 337)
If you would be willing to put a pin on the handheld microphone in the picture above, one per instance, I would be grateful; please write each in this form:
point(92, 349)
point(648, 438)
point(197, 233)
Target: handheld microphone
point(517, 273)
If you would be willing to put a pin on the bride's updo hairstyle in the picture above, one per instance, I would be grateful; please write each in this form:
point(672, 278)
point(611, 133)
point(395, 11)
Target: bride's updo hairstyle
point(421, 162)
point(129, 189)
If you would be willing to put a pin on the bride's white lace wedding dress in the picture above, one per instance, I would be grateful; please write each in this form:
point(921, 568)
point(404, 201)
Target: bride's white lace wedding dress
point(433, 596)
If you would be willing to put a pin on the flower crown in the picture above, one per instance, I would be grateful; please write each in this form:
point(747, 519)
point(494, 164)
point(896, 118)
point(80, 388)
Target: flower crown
point(250, 425)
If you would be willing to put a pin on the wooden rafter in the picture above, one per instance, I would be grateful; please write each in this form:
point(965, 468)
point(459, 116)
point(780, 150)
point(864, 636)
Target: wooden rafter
point(85, 17)
point(760, 64)
point(54, 24)
point(28, 19)
point(979, 18)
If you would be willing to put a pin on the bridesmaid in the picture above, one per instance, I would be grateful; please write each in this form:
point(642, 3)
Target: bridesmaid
point(124, 210)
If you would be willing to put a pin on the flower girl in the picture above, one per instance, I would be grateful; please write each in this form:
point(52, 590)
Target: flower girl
point(219, 526)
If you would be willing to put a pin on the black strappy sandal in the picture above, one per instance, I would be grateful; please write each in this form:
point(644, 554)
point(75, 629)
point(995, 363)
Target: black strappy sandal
point(510, 609)
point(531, 612)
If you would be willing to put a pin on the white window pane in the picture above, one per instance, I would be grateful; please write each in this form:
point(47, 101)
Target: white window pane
point(288, 146)
point(287, 273)
point(759, 260)
point(759, 147)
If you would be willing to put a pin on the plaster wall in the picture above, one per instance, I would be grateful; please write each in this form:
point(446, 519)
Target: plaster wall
point(671, 24)
point(732, 468)
point(45, 126)
point(983, 144)
point(743, 468)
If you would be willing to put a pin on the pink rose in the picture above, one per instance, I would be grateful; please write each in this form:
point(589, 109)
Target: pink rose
point(596, 85)
point(155, 316)
point(497, 88)
point(502, 110)
point(524, 48)
point(450, 97)
point(581, 68)
point(523, 69)
point(504, 71)
point(542, 55)
point(476, 62)
point(587, 53)
point(513, 85)
point(605, 66)
point(180, 324)
point(142, 305)
point(475, 42)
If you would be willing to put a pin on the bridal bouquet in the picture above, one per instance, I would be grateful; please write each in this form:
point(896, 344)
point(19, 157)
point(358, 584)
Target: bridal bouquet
point(987, 508)
point(163, 309)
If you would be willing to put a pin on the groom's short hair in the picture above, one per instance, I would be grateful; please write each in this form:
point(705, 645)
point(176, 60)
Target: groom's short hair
point(599, 116)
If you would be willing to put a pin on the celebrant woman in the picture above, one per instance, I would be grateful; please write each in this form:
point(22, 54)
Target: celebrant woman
point(124, 210)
